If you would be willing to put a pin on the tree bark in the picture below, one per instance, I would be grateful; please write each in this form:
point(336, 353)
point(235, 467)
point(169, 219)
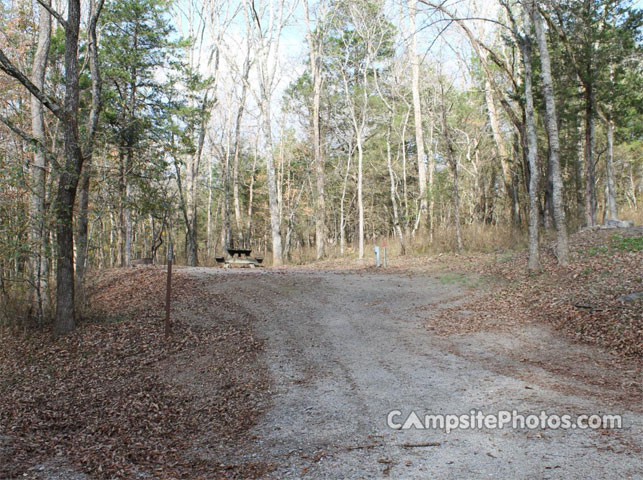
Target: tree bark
point(417, 114)
point(612, 213)
point(532, 145)
point(396, 217)
point(502, 153)
point(265, 43)
point(551, 123)
point(69, 176)
point(237, 135)
point(590, 193)
point(39, 165)
point(273, 202)
point(314, 49)
point(453, 163)
point(82, 234)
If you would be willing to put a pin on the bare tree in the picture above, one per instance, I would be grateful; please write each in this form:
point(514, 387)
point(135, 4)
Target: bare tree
point(373, 35)
point(70, 170)
point(532, 143)
point(237, 135)
point(39, 165)
point(551, 124)
point(417, 114)
point(266, 39)
point(315, 38)
point(452, 159)
point(82, 235)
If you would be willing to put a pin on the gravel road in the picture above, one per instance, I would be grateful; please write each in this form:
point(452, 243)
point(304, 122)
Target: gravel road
point(344, 348)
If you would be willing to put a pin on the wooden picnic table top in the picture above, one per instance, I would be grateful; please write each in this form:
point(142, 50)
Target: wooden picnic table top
point(239, 251)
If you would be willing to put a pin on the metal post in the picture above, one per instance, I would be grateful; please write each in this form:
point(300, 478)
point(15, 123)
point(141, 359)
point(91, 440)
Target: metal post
point(168, 292)
point(377, 256)
point(384, 256)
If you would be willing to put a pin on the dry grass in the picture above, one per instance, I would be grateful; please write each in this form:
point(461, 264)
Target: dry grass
point(632, 214)
point(477, 238)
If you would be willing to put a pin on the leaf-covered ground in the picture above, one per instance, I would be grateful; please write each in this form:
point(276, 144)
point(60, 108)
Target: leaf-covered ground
point(104, 401)
point(584, 301)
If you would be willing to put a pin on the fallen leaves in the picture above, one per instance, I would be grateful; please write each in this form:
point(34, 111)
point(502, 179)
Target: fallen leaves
point(102, 399)
point(583, 300)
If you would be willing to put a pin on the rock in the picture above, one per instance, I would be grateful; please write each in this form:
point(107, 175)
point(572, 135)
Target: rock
point(616, 223)
point(632, 297)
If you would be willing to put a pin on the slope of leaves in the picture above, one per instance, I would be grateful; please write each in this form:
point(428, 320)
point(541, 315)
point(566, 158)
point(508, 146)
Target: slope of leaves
point(101, 399)
point(584, 300)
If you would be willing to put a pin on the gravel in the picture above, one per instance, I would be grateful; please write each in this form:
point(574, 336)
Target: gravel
point(344, 348)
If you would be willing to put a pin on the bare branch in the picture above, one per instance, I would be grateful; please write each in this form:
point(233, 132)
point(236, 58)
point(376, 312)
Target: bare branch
point(8, 67)
point(53, 13)
point(28, 138)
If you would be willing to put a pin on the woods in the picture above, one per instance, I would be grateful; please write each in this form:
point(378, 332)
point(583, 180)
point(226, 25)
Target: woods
point(305, 130)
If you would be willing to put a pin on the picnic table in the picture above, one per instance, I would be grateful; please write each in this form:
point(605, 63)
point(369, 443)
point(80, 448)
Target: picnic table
point(239, 252)
point(239, 257)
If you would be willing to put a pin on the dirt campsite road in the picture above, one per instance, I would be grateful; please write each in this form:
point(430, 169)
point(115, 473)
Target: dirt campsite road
point(345, 348)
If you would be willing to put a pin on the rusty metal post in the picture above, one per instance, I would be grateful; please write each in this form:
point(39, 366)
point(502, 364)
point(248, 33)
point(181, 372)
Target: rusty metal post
point(168, 292)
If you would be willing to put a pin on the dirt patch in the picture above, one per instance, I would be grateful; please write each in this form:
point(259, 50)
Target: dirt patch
point(113, 399)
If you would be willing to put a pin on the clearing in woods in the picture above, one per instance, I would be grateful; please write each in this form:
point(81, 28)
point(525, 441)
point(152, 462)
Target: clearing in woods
point(344, 348)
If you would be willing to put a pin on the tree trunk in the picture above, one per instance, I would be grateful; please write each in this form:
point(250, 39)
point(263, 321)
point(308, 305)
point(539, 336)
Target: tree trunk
point(127, 218)
point(273, 201)
point(453, 163)
point(532, 145)
point(360, 195)
point(83, 202)
point(251, 197)
point(551, 123)
point(612, 212)
point(417, 113)
point(502, 153)
point(82, 232)
point(342, 209)
point(191, 209)
point(314, 49)
point(237, 135)
point(39, 165)
point(69, 176)
point(396, 217)
point(578, 173)
point(590, 194)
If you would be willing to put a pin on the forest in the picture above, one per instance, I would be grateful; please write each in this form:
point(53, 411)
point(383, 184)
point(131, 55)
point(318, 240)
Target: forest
point(305, 130)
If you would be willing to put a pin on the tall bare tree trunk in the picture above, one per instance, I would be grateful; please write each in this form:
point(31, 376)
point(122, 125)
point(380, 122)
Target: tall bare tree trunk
point(396, 216)
point(342, 209)
point(82, 235)
point(208, 240)
point(551, 123)
point(273, 201)
point(266, 43)
point(69, 176)
point(39, 165)
point(237, 135)
point(127, 219)
point(590, 193)
point(360, 195)
point(532, 145)
point(612, 212)
point(502, 153)
point(251, 195)
point(453, 163)
point(417, 114)
point(315, 53)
